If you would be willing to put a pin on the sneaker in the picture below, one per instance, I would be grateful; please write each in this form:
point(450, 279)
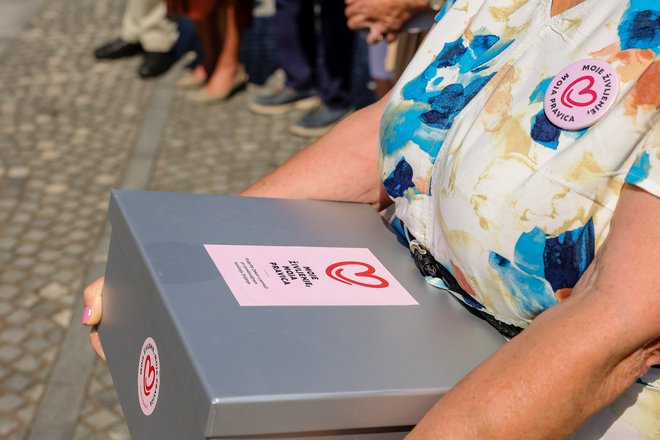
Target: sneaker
point(318, 121)
point(284, 101)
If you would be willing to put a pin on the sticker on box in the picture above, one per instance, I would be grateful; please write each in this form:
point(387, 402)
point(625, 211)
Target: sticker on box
point(307, 276)
point(148, 380)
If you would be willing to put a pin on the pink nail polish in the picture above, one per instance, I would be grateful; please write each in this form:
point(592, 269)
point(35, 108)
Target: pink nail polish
point(87, 313)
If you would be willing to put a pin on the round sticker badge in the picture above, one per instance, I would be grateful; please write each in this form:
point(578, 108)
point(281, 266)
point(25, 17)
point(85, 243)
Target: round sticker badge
point(581, 94)
point(148, 380)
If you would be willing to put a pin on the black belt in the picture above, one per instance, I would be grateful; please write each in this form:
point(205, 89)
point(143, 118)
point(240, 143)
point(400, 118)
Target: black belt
point(428, 266)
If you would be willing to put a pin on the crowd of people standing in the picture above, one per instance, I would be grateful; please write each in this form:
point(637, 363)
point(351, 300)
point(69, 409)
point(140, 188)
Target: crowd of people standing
point(315, 43)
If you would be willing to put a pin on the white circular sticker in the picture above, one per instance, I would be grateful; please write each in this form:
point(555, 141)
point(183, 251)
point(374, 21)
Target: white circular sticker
point(148, 380)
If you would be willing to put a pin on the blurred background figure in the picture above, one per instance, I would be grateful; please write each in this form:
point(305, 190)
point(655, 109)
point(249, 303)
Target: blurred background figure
point(220, 24)
point(317, 62)
point(146, 29)
point(402, 24)
point(380, 72)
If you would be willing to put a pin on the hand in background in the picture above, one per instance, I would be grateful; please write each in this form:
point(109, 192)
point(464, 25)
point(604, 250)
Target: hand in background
point(383, 18)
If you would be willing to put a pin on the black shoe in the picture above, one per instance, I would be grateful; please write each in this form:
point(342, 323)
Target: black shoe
point(318, 121)
point(155, 64)
point(117, 48)
point(284, 101)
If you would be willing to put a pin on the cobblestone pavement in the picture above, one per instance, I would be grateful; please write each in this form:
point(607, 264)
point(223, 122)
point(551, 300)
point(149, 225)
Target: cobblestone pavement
point(70, 130)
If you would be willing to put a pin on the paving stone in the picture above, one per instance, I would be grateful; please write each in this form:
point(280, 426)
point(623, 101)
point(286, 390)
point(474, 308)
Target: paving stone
point(43, 269)
point(55, 189)
point(9, 353)
point(10, 402)
point(19, 172)
point(54, 291)
point(83, 432)
point(36, 345)
point(25, 415)
point(8, 291)
point(35, 235)
point(12, 276)
point(119, 432)
point(27, 364)
point(23, 262)
point(13, 335)
point(35, 392)
point(27, 249)
point(45, 308)
point(19, 434)
point(102, 418)
point(63, 318)
point(8, 243)
point(5, 308)
point(18, 317)
point(4, 372)
point(49, 354)
point(34, 282)
point(7, 425)
point(16, 382)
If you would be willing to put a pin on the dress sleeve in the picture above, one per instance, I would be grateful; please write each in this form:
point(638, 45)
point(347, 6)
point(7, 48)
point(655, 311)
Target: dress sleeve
point(645, 172)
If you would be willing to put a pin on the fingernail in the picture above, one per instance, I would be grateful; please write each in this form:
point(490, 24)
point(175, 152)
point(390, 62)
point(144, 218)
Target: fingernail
point(87, 313)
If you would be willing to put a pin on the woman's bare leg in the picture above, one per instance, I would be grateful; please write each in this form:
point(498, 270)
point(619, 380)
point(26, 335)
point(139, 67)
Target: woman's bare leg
point(222, 80)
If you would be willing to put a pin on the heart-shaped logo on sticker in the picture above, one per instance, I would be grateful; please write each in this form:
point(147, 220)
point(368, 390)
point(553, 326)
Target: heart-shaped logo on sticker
point(364, 278)
point(586, 82)
point(149, 378)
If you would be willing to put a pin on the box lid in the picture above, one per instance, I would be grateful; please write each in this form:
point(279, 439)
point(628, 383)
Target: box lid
point(268, 370)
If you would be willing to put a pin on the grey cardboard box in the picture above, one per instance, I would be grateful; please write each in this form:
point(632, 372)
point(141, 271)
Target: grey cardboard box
point(225, 371)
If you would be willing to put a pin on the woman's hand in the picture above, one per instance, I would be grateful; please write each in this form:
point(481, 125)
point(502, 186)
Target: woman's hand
point(577, 356)
point(93, 312)
point(383, 18)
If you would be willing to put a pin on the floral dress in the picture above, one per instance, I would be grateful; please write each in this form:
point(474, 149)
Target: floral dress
point(512, 205)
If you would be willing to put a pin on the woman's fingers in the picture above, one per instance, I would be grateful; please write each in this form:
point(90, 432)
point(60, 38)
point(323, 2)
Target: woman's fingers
point(357, 15)
point(390, 37)
point(96, 343)
point(357, 21)
point(93, 297)
point(376, 33)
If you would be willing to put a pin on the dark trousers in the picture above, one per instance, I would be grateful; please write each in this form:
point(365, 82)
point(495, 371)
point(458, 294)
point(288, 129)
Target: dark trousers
point(299, 46)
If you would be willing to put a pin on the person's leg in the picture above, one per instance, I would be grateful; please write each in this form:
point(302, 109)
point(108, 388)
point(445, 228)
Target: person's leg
point(146, 25)
point(128, 42)
point(190, 40)
point(208, 31)
point(227, 69)
point(147, 21)
point(296, 54)
point(381, 77)
point(338, 43)
point(296, 42)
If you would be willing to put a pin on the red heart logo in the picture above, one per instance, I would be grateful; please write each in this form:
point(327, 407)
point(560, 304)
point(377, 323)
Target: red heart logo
point(567, 97)
point(336, 270)
point(149, 378)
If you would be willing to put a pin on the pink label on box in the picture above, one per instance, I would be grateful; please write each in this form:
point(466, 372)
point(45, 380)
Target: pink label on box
point(307, 276)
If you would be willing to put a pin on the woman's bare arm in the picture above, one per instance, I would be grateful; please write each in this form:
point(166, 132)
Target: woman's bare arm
point(341, 166)
point(576, 357)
